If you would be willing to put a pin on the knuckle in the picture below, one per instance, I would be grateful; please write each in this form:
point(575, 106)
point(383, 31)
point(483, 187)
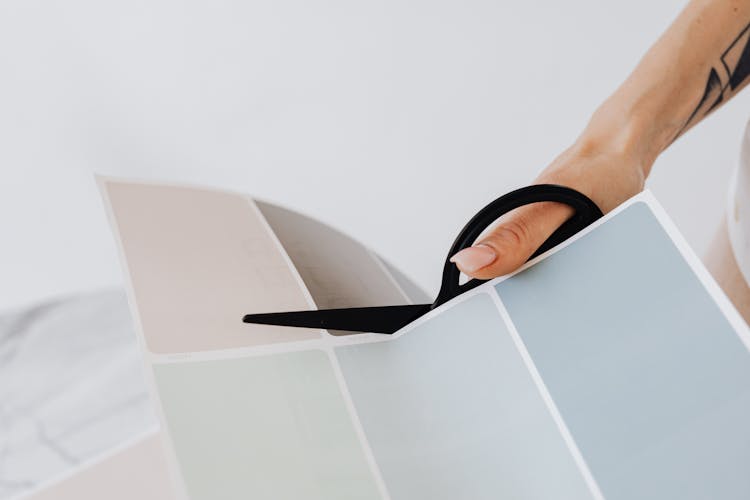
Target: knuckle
point(515, 232)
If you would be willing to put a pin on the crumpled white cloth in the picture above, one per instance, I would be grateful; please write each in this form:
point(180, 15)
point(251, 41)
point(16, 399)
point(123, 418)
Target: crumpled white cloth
point(71, 387)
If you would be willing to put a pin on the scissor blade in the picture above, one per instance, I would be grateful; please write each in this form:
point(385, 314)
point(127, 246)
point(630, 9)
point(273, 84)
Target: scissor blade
point(385, 319)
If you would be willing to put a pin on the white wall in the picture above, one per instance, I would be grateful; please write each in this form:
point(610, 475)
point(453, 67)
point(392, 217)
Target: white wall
point(393, 120)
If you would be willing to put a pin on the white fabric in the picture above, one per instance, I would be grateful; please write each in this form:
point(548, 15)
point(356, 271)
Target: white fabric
point(738, 208)
point(71, 387)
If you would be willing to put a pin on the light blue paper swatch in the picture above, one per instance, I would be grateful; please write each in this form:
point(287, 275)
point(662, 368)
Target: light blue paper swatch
point(650, 378)
point(451, 412)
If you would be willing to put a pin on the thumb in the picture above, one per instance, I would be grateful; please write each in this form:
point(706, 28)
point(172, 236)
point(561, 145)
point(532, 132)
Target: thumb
point(512, 241)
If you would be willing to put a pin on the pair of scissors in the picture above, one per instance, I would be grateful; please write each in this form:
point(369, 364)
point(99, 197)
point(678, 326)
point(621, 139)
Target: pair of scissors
point(389, 319)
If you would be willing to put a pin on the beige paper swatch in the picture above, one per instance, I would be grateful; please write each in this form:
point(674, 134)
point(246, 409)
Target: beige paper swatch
point(198, 261)
point(136, 472)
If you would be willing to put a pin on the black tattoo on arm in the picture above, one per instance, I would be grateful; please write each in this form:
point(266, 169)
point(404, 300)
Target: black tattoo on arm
point(724, 80)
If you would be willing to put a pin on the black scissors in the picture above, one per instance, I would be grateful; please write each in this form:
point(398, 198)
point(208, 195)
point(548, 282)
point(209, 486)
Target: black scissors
point(389, 319)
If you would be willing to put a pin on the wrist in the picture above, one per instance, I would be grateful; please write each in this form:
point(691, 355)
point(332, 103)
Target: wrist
point(626, 132)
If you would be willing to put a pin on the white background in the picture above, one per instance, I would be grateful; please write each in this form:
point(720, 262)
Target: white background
point(393, 120)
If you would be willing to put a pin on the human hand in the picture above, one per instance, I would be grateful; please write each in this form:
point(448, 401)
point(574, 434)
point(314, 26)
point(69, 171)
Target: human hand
point(606, 172)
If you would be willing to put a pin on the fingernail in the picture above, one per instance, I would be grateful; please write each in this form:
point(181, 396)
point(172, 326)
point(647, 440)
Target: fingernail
point(474, 258)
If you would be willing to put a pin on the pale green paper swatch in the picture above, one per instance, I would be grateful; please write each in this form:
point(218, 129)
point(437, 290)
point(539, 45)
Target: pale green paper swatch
point(271, 427)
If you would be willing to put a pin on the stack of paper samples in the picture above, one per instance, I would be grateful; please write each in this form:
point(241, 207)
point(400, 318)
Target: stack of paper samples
point(612, 367)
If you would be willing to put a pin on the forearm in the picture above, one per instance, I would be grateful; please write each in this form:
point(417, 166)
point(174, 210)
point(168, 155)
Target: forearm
point(697, 65)
point(692, 69)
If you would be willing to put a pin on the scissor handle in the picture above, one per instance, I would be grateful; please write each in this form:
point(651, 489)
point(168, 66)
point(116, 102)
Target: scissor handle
point(586, 212)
